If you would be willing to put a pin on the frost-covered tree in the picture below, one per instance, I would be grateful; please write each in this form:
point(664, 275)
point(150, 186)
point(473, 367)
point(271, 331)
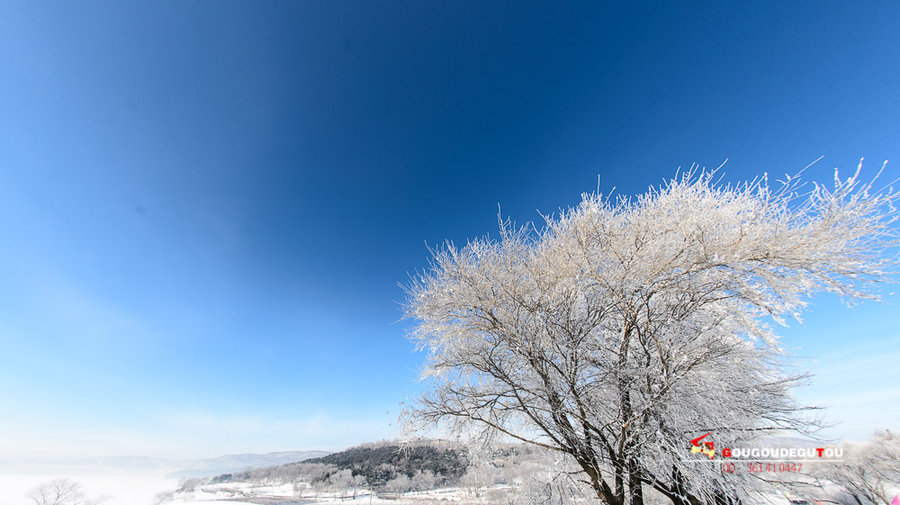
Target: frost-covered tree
point(61, 492)
point(624, 328)
point(869, 472)
point(341, 481)
point(399, 484)
point(423, 480)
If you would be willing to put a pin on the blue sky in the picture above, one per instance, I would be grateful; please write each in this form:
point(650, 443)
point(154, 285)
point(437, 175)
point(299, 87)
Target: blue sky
point(207, 207)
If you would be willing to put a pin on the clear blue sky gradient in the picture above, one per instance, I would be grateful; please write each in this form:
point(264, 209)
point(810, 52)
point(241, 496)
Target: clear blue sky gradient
point(207, 207)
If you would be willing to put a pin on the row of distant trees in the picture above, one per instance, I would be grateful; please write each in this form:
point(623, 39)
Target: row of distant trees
point(868, 475)
point(869, 472)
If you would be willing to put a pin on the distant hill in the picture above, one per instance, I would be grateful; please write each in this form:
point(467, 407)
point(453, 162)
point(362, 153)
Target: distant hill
point(382, 463)
point(433, 462)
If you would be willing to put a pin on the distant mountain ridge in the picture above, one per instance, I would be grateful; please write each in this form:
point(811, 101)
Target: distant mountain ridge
point(171, 468)
point(239, 462)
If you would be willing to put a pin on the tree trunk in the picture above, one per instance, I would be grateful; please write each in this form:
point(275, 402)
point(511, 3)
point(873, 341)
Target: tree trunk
point(604, 493)
point(635, 485)
point(676, 491)
point(723, 499)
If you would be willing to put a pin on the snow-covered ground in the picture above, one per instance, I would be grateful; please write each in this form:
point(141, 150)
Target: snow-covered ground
point(116, 488)
point(284, 493)
point(147, 489)
point(155, 489)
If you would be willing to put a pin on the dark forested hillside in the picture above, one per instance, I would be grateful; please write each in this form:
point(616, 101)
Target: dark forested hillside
point(393, 466)
point(382, 463)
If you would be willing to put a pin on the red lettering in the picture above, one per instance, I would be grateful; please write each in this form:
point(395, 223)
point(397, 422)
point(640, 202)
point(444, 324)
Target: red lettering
point(726, 452)
point(820, 451)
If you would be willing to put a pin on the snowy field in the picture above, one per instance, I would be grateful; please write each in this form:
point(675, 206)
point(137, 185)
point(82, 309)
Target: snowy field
point(242, 492)
point(149, 488)
point(155, 489)
point(114, 488)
